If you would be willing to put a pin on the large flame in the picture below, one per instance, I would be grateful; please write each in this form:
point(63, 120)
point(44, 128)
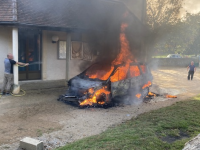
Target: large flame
point(124, 57)
point(103, 74)
point(93, 99)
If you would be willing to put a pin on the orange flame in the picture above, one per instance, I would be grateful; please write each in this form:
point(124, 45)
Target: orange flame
point(91, 91)
point(171, 96)
point(94, 98)
point(134, 71)
point(138, 95)
point(143, 67)
point(151, 94)
point(99, 75)
point(124, 57)
point(147, 85)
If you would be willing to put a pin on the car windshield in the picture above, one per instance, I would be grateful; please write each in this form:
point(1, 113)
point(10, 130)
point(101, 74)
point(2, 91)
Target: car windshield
point(99, 71)
point(104, 71)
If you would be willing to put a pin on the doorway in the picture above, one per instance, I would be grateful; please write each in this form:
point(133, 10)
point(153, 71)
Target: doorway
point(30, 52)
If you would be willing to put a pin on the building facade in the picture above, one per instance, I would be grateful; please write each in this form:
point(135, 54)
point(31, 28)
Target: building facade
point(55, 37)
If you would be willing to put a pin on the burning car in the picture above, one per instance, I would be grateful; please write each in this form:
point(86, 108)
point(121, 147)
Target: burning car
point(100, 85)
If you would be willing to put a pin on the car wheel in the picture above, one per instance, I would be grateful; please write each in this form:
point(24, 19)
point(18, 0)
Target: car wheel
point(103, 99)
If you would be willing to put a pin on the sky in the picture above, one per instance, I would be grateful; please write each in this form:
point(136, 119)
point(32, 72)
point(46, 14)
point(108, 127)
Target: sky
point(191, 6)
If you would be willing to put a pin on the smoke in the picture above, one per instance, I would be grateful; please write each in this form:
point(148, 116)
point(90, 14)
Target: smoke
point(129, 99)
point(105, 45)
point(84, 83)
point(100, 20)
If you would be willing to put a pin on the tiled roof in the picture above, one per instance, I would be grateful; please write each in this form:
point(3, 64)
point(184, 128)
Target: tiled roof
point(85, 14)
point(71, 14)
point(6, 10)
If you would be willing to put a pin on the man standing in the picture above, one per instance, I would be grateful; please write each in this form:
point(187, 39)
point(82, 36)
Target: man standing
point(192, 70)
point(8, 73)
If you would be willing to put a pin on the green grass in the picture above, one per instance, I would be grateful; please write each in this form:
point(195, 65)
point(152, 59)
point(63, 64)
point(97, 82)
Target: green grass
point(147, 130)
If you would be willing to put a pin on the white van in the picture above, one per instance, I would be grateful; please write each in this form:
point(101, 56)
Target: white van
point(174, 56)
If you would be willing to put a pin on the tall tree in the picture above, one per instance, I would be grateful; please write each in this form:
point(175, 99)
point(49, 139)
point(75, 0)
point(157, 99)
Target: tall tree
point(161, 15)
point(182, 37)
point(193, 23)
point(162, 12)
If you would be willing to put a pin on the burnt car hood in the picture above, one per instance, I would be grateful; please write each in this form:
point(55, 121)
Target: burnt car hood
point(84, 83)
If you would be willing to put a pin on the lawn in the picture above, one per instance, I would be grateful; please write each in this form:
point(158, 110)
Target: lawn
point(168, 128)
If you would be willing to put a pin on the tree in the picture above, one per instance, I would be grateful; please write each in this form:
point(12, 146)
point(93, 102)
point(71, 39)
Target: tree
point(162, 15)
point(193, 24)
point(182, 37)
point(162, 12)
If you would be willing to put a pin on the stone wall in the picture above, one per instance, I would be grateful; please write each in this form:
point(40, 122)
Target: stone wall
point(173, 62)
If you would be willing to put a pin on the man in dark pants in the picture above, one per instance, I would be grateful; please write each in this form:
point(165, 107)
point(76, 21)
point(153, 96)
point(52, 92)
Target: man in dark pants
point(8, 73)
point(192, 70)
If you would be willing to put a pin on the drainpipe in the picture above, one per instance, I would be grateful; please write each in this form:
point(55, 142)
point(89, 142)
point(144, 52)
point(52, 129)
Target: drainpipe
point(14, 5)
point(68, 50)
point(16, 87)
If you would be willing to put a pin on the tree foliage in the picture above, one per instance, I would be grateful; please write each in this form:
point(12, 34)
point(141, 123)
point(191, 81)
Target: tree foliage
point(162, 12)
point(183, 37)
point(161, 16)
point(168, 32)
point(193, 24)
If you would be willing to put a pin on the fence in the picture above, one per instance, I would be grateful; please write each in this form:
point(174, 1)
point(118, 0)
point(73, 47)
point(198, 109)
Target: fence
point(173, 62)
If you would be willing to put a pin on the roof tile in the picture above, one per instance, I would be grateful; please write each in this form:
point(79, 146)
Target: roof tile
point(6, 10)
point(83, 14)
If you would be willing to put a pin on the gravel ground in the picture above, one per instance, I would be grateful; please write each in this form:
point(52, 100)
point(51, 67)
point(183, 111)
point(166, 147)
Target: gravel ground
point(39, 115)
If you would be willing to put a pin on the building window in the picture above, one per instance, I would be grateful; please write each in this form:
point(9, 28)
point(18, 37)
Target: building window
point(76, 50)
point(87, 54)
point(62, 49)
point(80, 48)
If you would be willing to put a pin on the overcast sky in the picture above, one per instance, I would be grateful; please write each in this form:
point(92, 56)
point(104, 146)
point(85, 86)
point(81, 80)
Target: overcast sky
point(192, 6)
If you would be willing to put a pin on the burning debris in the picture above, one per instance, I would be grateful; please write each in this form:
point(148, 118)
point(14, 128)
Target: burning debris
point(101, 84)
point(152, 95)
point(171, 96)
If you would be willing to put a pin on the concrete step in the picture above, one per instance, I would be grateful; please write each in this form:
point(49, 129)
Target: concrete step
point(39, 84)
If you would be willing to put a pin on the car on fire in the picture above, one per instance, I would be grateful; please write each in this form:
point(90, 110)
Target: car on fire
point(100, 86)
